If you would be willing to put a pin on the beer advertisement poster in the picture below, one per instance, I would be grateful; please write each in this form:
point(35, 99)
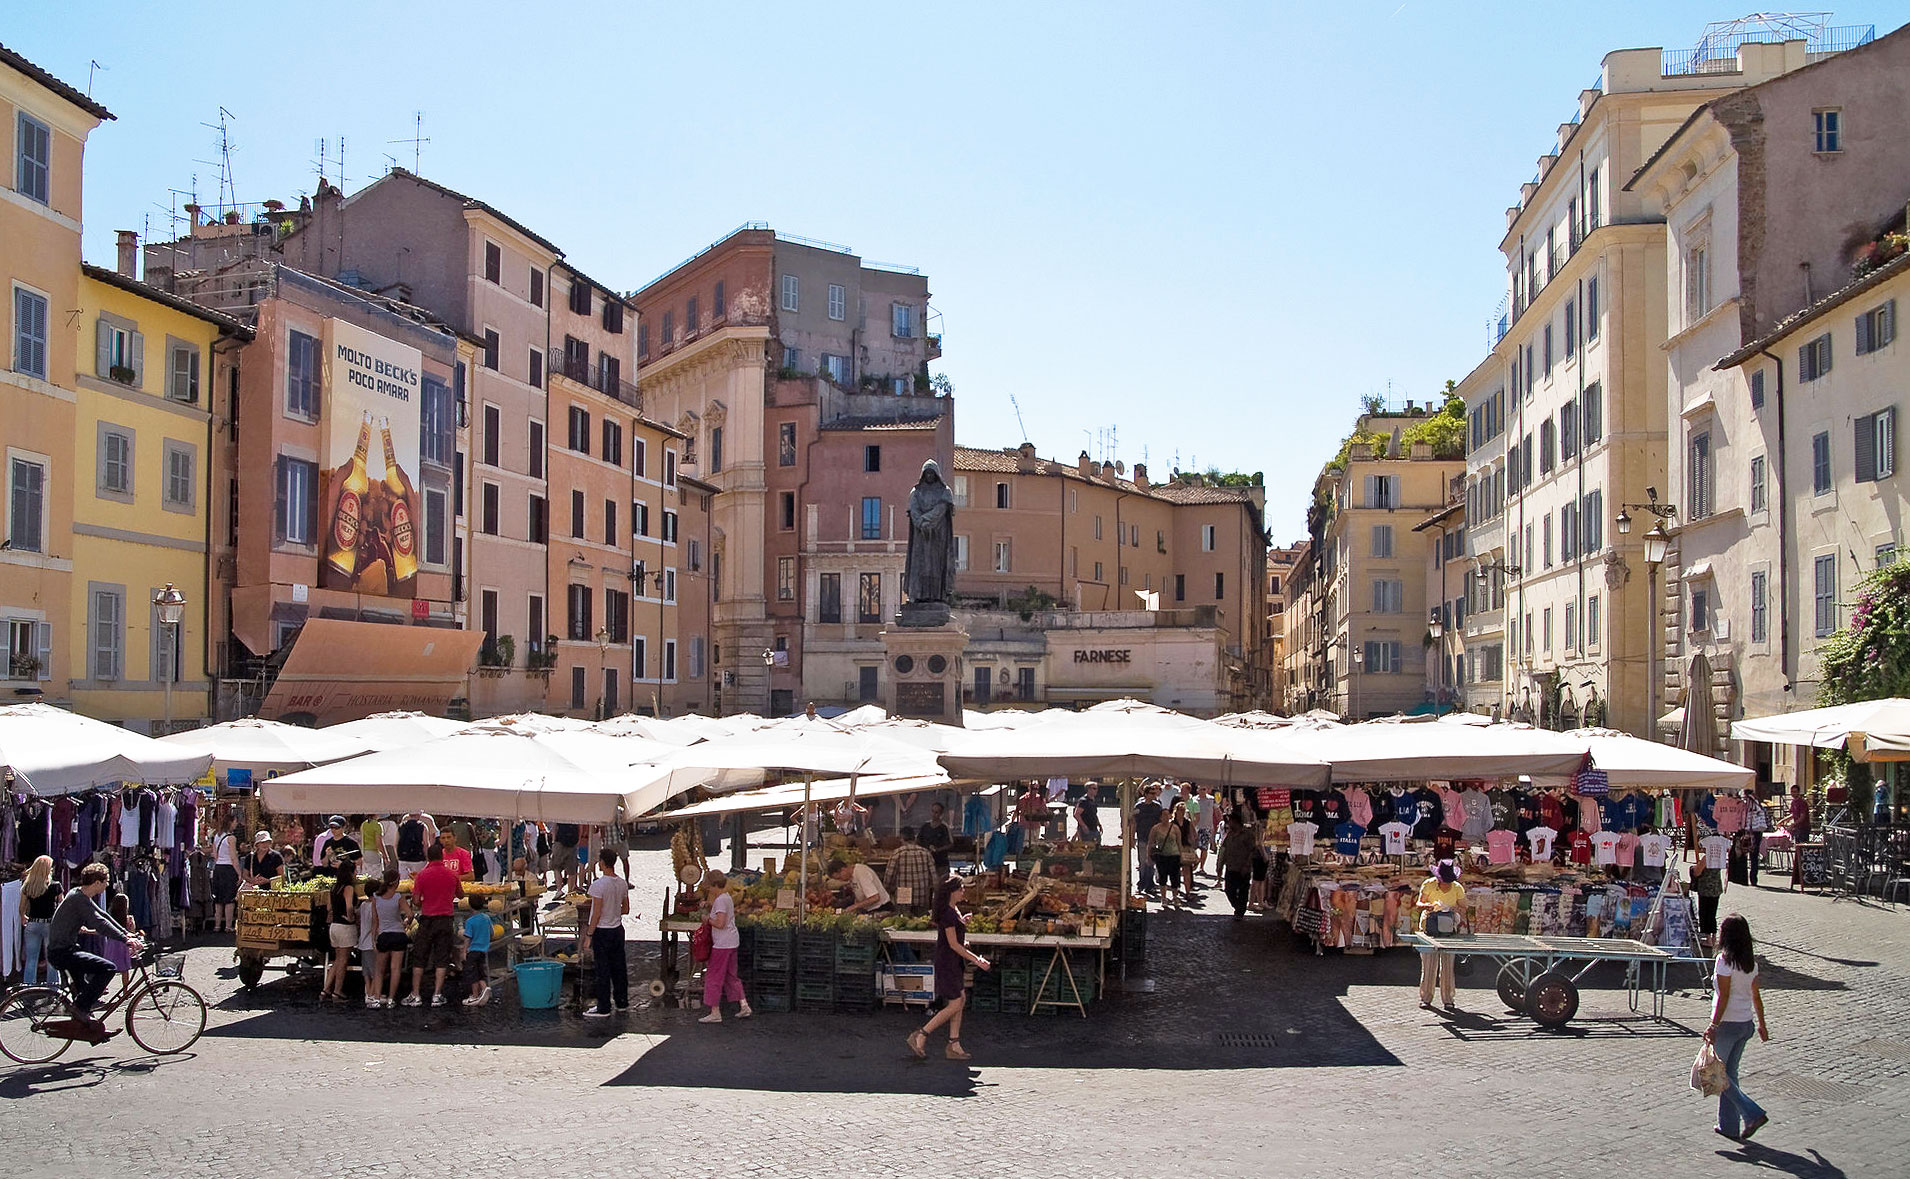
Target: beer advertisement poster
point(370, 532)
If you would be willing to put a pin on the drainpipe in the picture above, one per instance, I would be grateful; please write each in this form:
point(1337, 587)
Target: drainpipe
point(1783, 531)
point(1578, 440)
point(220, 347)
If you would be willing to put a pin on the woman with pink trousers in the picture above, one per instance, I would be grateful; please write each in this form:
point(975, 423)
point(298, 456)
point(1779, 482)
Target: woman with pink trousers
point(720, 981)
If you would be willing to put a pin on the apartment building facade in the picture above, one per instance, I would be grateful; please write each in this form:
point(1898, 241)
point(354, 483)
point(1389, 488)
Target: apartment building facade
point(1032, 533)
point(1372, 567)
point(1583, 428)
point(1280, 565)
point(1304, 657)
point(44, 125)
point(1782, 457)
point(142, 459)
point(755, 349)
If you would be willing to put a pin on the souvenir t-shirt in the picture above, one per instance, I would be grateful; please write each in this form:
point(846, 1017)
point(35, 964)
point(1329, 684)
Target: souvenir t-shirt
point(1627, 849)
point(1346, 838)
point(1306, 807)
point(1505, 808)
point(1705, 804)
point(1606, 845)
point(1300, 838)
point(1729, 814)
point(1551, 811)
point(1332, 809)
point(1541, 840)
point(1394, 837)
point(1581, 852)
point(1431, 813)
point(1359, 806)
point(1591, 816)
point(1652, 848)
point(1528, 811)
point(1499, 843)
point(1478, 814)
point(1445, 844)
point(1452, 808)
point(1717, 849)
point(1400, 806)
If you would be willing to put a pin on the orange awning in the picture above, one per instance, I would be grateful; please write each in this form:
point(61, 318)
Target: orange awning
point(341, 671)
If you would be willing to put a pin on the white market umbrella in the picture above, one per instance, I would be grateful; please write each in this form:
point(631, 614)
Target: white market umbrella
point(394, 730)
point(61, 752)
point(1419, 752)
point(251, 743)
point(1133, 745)
point(1878, 725)
point(1630, 761)
point(526, 767)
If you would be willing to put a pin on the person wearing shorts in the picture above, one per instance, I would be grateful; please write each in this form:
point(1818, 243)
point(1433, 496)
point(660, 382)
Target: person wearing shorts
point(618, 842)
point(435, 890)
point(563, 853)
point(225, 881)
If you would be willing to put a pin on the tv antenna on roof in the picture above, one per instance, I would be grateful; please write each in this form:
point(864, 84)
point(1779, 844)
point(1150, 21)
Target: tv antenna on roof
point(1018, 421)
point(417, 141)
point(228, 192)
point(92, 67)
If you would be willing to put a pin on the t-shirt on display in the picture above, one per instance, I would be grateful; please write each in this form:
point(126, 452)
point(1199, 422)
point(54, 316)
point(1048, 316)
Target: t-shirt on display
point(1499, 845)
point(1541, 839)
point(1393, 837)
point(1300, 838)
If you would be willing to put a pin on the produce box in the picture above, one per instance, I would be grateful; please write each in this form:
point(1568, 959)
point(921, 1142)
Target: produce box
point(907, 981)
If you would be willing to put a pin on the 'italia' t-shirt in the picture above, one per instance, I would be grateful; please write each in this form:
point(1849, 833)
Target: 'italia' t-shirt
point(1499, 845)
point(1541, 840)
point(1346, 838)
point(1394, 836)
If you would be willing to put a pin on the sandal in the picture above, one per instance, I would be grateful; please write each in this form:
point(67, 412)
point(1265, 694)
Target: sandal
point(954, 1051)
point(918, 1044)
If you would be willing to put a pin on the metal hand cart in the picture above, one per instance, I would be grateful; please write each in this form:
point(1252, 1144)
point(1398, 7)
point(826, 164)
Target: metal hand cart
point(1533, 971)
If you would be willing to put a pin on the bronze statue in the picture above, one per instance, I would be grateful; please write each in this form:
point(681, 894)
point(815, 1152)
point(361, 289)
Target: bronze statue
point(929, 576)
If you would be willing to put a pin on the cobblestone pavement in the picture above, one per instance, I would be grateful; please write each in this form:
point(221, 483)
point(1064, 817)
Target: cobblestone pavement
point(1249, 1055)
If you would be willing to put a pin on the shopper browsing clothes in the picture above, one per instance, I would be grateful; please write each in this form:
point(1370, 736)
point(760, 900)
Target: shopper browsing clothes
point(952, 958)
point(1441, 903)
point(1736, 1013)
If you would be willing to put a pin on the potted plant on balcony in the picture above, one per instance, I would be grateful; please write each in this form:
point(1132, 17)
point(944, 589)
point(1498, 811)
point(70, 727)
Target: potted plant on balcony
point(496, 655)
point(542, 658)
point(24, 666)
point(123, 373)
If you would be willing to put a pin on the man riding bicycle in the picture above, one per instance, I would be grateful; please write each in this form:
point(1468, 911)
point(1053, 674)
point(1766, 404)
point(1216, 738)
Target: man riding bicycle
point(88, 973)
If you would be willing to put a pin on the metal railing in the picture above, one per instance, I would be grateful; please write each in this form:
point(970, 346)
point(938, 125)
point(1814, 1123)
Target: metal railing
point(1719, 54)
point(576, 369)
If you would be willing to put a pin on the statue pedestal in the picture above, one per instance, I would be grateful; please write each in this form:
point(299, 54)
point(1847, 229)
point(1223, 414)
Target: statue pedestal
point(922, 672)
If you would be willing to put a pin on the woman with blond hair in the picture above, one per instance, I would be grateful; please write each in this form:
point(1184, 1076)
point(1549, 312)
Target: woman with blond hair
point(38, 900)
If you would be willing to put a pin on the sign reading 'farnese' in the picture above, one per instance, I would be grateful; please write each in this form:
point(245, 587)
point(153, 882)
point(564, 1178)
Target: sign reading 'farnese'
point(1104, 655)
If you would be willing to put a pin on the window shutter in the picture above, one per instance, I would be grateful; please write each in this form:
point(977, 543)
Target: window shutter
point(1886, 444)
point(139, 358)
point(280, 513)
point(1372, 494)
point(1866, 440)
point(103, 348)
point(43, 642)
point(1865, 341)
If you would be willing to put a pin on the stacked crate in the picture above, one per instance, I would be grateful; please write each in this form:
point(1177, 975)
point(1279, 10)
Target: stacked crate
point(772, 967)
point(815, 970)
point(855, 972)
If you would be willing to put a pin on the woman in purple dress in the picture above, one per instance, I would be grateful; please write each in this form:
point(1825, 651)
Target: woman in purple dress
point(952, 956)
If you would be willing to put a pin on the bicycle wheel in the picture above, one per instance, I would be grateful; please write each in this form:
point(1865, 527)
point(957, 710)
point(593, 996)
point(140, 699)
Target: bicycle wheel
point(166, 1017)
point(25, 1034)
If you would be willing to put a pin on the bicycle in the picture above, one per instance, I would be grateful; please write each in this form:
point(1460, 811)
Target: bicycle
point(164, 1015)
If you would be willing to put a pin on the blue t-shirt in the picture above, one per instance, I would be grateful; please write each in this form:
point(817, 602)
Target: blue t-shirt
point(477, 927)
point(1346, 838)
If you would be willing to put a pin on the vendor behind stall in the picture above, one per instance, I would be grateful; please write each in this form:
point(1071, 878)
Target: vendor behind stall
point(912, 867)
point(342, 852)
point(870, 894)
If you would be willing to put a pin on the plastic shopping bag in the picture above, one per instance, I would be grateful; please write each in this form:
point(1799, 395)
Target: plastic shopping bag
point(1707, 1073)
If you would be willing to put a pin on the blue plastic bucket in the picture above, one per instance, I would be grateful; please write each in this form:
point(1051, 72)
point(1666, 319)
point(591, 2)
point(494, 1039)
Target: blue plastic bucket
point(539, 983)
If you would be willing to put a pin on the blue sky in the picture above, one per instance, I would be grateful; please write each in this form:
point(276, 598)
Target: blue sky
point(1209, 228)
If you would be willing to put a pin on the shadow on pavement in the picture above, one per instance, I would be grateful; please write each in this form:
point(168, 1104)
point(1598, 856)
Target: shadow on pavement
point(1815, 1166)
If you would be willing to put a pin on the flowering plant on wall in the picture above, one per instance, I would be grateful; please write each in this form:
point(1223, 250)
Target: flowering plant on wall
point(1887, 248)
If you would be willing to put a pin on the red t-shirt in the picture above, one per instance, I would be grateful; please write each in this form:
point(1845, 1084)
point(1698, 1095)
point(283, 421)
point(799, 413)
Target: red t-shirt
point(435, 889)
point(458, 860)
point(1581, 848)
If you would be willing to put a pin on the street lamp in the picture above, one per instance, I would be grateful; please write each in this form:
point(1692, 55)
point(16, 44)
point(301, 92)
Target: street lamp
point(1437, 630)
point(1657, 544)
point(1353, 684)
point(171, 605)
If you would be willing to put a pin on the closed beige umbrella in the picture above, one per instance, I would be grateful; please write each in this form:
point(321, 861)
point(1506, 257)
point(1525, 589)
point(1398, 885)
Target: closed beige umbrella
point(1699, 730)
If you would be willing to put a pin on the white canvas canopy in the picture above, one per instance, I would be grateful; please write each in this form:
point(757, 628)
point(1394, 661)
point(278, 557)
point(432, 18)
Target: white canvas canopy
point(61, 752)
point(789, 794)
point(529, 767)
point(252, 743)
point(394, 730)
point(1133, 744)
point(1419, 752)
point(1630, 761)
point(1879, 726)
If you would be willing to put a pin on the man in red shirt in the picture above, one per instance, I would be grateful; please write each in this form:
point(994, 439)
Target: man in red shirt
point(455, 858)
point(435, 890)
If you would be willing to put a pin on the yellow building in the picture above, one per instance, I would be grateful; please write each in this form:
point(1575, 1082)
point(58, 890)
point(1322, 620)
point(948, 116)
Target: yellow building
point(43, 128)
point(147, 365)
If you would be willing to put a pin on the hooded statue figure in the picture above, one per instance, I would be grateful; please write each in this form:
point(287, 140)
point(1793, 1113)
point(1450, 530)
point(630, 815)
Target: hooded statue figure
point(929, 575)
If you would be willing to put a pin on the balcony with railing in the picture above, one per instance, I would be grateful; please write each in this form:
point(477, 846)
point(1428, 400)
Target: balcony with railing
point(591, 376)
point(1717, 53)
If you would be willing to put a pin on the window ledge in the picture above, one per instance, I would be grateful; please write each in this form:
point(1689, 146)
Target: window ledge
point(1716, 517)
point(1699, 324)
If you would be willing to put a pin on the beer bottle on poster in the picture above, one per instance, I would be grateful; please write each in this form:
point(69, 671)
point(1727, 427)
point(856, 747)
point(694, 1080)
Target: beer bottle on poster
point(348, 513)
point(403, 534)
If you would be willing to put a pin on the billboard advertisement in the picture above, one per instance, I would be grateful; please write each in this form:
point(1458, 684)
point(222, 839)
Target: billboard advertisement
point(369, 524)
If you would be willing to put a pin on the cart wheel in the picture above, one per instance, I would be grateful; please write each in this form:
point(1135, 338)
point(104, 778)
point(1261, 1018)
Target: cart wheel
point(1551, 1000)
point(658, 988)
point(1513, 977)
point(251, 969)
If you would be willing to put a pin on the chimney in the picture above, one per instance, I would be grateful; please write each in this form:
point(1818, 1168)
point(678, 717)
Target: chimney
point(1140, 476)
point(1027, 450)
point(128, 242)
point(1081, 464)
